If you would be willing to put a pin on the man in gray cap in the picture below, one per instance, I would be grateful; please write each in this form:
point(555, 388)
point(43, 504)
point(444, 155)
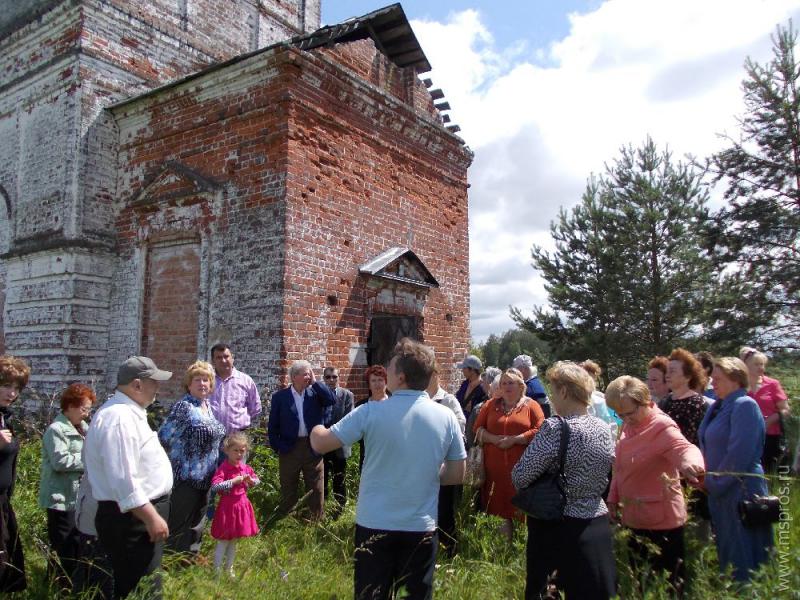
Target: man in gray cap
point(131, 478)
point(533, 386)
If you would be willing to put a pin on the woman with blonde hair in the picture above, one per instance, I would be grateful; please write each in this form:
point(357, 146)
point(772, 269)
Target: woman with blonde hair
point(773, 402)
point(652, 456)
point(506, 424)
point(191, 436)
point(580, 545)
point(731, 439)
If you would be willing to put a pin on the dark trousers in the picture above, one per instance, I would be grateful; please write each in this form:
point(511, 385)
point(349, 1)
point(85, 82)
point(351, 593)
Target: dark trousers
point(94, 570)
point(64, 543)
point(582, 552)
point(335, 467)
point(659, 551)
point(12, 565)
point(187, 505)
point(774, 453)
point(302, 459)
point(128, 544)
point(386, 561)
point(448, 496)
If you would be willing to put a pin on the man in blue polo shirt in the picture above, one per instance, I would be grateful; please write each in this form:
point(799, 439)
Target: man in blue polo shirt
point(415, 445)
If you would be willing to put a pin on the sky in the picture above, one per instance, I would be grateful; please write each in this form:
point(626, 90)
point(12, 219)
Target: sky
point(546, 92)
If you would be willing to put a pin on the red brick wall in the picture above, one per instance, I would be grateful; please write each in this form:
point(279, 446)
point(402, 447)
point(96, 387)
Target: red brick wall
point(366, 62)
point(228, 128)
point(318, 171)
point(170, 315)
point(367, 173)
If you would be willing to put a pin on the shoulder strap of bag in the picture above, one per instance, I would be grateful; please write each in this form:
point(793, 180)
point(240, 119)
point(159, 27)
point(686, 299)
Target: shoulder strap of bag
point(562, 452)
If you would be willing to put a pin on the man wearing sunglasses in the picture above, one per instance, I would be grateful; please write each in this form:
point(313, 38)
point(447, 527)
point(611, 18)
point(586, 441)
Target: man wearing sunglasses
point(336, 461)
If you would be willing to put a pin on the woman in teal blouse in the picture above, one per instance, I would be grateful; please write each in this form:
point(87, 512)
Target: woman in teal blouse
point(62, 467)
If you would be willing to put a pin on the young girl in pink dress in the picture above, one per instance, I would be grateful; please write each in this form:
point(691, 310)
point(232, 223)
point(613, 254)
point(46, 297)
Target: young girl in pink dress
point(234, 517)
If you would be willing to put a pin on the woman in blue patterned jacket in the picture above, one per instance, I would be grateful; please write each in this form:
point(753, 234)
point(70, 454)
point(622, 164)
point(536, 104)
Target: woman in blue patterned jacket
point(191, 436)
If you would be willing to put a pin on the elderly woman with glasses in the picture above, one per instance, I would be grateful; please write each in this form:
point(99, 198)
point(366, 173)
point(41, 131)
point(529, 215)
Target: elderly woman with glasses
point(61, 470)
point(652, 456)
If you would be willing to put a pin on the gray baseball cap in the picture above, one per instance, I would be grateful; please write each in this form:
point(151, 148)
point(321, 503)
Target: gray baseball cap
point(140, 367)
point(471, 362)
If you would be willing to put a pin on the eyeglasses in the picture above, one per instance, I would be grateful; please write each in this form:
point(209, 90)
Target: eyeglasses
point(630, 413)
point(331, 376)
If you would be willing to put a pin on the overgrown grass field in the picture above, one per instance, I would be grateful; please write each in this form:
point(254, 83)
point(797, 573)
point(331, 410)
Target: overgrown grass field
point(292, 559)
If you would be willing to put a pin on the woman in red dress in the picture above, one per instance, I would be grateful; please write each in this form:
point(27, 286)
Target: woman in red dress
point(774, 405)
point(505, 426)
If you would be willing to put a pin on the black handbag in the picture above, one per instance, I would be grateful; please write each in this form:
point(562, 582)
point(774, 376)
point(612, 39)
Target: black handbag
point(545, 498)
point(759, 511)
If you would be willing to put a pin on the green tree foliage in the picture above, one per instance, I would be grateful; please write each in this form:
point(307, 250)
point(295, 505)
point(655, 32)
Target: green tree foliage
point(500, 351)
point(628, 278)
point(759, 226)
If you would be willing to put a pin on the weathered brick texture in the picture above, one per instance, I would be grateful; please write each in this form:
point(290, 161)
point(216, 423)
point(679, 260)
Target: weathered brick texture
point(367, 191)
point(322, 167)
point(171, 308)
point(62, 63)
point(236, 204)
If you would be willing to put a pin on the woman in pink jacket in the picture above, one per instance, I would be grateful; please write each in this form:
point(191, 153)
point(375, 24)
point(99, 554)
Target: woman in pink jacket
point(652, 455)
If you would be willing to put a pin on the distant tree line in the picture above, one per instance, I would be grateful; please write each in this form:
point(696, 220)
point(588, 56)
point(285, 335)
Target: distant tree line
point(500, 350)
point(642, 265)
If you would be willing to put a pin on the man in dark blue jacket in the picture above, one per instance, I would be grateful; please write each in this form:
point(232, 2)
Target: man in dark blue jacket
point(295, 411)
point(533, 387)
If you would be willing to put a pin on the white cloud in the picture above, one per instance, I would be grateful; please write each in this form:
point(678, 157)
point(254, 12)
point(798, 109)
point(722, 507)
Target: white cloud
point(540, 120)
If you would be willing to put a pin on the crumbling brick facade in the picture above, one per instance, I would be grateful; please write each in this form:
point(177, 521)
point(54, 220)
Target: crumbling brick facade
point(236, 203)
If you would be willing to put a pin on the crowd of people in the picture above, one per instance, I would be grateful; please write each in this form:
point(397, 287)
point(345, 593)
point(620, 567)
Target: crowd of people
point(696, 437)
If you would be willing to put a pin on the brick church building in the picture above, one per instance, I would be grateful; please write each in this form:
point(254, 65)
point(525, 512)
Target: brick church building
point(176, 173)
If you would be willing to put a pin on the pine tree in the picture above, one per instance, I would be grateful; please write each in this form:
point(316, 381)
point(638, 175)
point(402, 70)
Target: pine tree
point(759, 227)
point(629, 278)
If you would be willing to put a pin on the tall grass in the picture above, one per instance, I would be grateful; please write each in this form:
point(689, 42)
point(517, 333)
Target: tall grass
point(293, 559)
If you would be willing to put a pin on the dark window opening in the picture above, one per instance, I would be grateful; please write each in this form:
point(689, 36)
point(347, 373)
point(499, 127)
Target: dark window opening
point(384, 333)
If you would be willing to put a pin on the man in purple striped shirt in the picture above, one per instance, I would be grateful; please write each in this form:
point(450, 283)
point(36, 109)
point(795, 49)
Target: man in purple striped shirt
point(235, 401)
